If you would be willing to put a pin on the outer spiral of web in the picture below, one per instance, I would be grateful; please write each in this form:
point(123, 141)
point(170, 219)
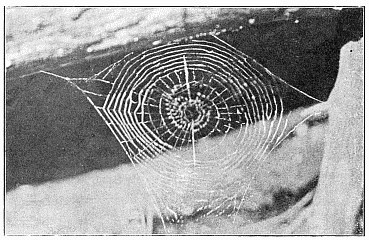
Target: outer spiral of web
point(166, 102)
point(191, 116)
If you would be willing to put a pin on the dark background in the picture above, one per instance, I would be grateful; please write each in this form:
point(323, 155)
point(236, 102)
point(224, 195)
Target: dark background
point(52, 131)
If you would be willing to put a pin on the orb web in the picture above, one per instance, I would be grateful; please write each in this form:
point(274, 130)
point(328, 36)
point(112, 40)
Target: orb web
point(189, 116)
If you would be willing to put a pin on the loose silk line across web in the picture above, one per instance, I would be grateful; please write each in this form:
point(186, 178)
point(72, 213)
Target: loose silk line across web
point(168, 101)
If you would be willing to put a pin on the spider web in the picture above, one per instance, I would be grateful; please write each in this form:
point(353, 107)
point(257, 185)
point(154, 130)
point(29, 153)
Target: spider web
point(190, 116)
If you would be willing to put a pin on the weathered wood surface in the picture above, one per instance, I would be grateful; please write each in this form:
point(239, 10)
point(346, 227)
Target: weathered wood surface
point(339, 173)
point(40, 33)
point(340, 188)
point(34, 34)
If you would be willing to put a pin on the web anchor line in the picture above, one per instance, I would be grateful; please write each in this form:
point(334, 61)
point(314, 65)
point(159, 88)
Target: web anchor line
point(193, 144)
point(192, 122)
